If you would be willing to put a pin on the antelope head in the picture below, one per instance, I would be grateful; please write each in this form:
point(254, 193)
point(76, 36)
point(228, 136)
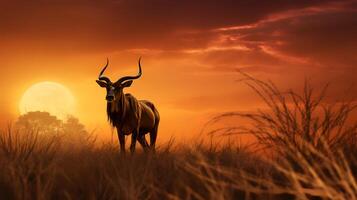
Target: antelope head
point(115, 90)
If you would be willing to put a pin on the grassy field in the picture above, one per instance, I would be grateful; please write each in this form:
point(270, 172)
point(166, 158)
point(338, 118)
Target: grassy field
point(312, 149)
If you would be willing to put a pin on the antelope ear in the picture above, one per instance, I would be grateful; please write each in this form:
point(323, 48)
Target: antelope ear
point(127, 83)
point(101, 83)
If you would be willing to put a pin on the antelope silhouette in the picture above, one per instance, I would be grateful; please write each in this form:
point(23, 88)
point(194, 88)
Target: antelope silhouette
point(127, 114)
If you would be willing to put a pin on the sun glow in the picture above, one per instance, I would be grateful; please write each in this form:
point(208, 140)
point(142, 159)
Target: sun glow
point(48, 97)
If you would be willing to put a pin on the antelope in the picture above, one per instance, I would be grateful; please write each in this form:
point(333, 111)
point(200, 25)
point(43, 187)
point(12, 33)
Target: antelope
point(127, 114)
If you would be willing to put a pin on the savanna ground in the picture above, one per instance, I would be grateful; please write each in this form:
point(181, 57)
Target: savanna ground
point(311, 146)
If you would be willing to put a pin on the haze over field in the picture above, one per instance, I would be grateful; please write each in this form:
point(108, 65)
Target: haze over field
point(190, 51)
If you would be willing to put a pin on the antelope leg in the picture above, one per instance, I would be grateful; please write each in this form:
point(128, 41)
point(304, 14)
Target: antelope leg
point(121, 142)
point(143, 142)
point(134, 137)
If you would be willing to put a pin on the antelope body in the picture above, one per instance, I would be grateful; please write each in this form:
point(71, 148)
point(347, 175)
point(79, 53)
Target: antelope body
point(129, 115)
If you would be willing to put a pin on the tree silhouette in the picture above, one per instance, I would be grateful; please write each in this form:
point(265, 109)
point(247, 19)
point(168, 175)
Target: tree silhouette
point(71, 130)
point(41, 122)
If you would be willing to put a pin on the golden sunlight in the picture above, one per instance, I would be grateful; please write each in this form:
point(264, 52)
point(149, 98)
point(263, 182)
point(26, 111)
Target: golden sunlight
point(48, 97)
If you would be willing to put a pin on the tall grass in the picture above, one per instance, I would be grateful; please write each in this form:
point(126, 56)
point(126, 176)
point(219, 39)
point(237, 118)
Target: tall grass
point(26, 164)
point(314, 142)
point(36, 167)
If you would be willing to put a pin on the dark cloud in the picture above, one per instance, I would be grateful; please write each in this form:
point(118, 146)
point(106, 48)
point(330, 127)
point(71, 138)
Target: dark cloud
point(329, 38)
point(279, 35)
point(115, 25)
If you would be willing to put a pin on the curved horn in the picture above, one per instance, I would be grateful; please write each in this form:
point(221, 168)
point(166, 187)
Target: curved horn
point(101, 77)
point(122, 79)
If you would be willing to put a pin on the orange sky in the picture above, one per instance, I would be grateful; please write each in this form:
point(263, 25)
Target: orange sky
point(190, 51)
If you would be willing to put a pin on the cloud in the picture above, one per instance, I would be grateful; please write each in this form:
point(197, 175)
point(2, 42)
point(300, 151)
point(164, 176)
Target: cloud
point(117, 25)
point(319, 35)
point(276, 35)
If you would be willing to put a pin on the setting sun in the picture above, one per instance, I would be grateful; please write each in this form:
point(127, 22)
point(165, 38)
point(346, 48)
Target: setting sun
point(48, 97)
